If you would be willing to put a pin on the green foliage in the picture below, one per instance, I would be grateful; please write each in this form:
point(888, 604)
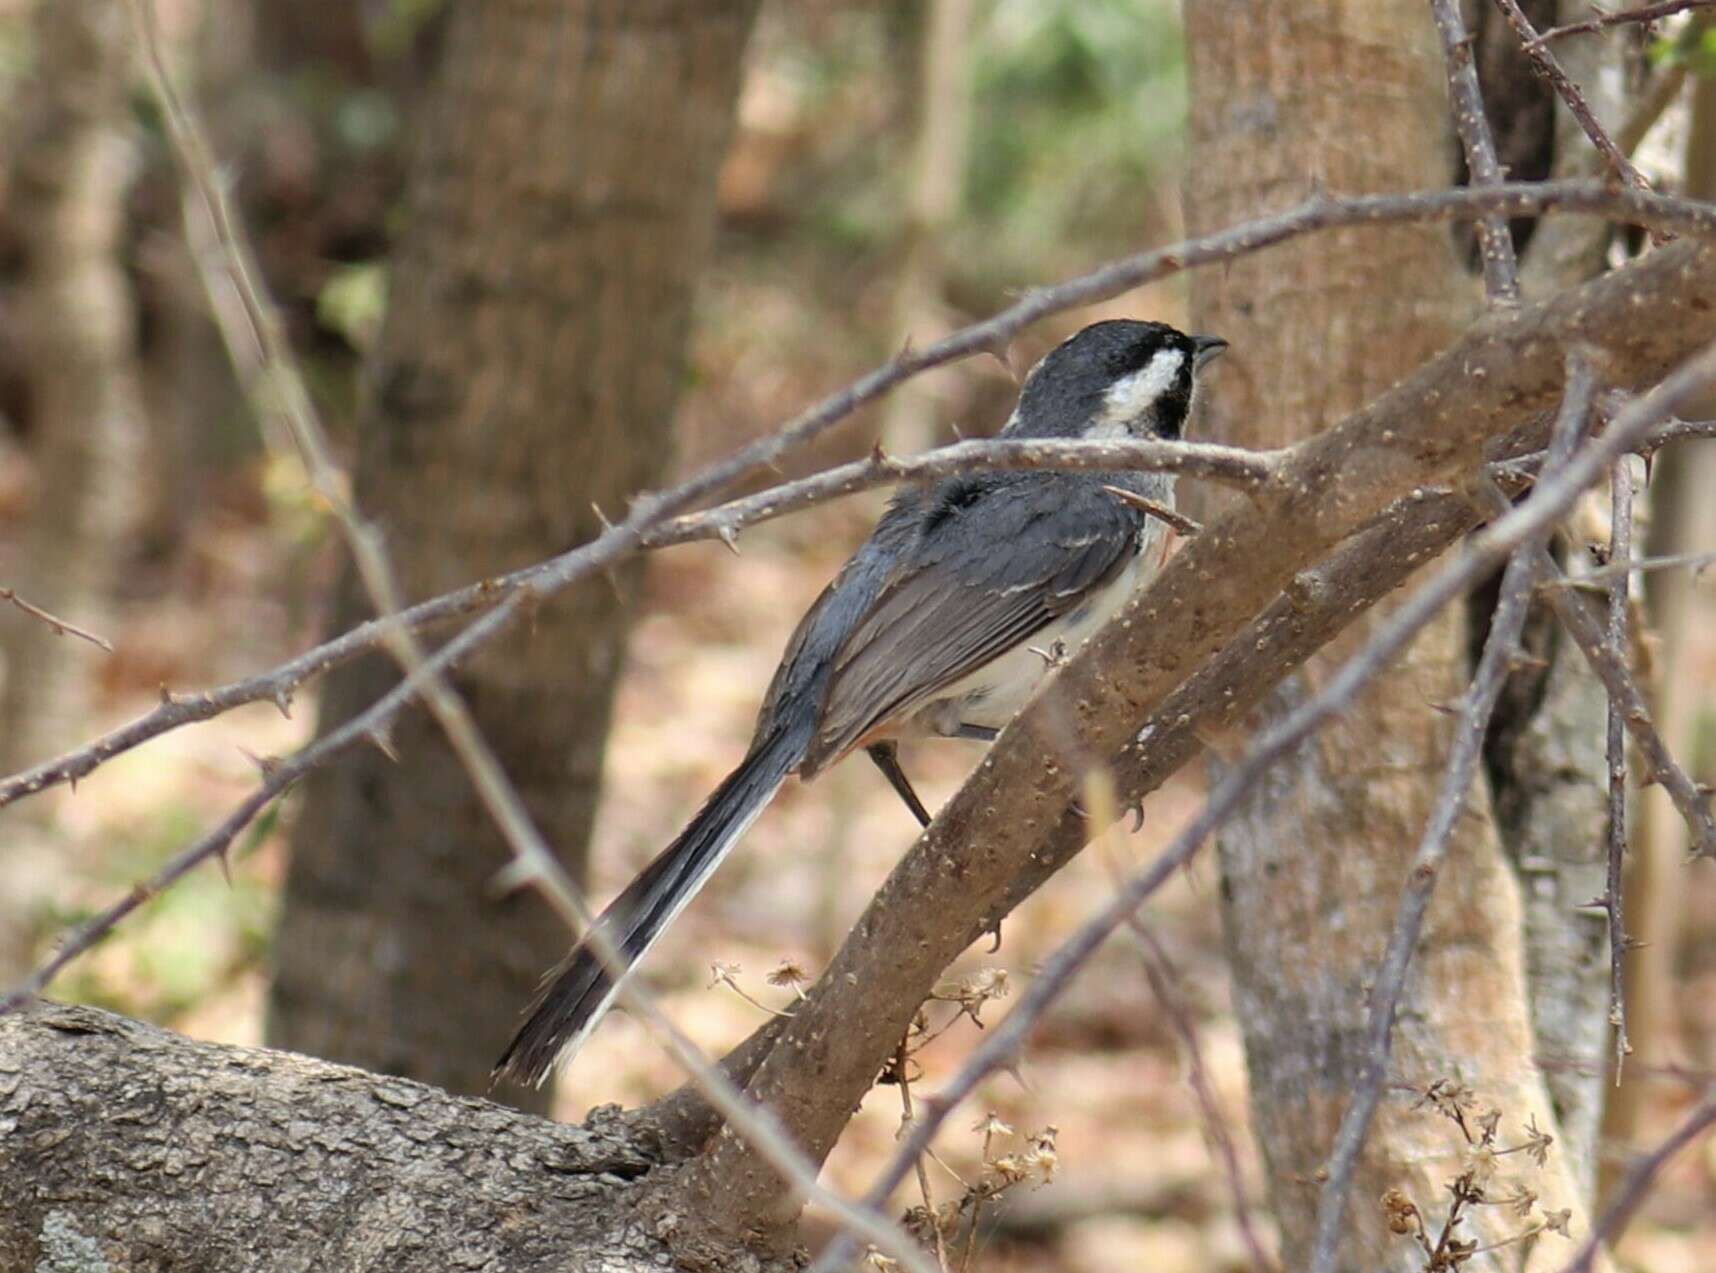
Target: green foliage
point(184, 945)
point(1693, 46)
point(1078, 113)
point(1076, 117)
point(353, 301)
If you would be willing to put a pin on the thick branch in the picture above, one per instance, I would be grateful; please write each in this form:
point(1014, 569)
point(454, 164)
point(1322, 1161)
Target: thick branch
point(1430, 428)
point(164, 1153)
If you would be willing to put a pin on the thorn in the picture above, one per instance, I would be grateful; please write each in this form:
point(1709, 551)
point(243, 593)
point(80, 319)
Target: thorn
point(1179, 522)
point(1000, 348)
point(266, 765)
point(728, 536)
point(1014, 1071)
point(166, 695)
point(601, 517)
point(223, 856)
point(283, 700)
point(383, 741)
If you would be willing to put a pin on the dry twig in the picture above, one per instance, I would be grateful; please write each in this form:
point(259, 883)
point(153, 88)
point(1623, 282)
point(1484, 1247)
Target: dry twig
point(1495, 240)
point(1160, 971)
point(60, 627)
point(1549, 67)
point(1603, 20)
point(1620, 549)
point(1634, 1189)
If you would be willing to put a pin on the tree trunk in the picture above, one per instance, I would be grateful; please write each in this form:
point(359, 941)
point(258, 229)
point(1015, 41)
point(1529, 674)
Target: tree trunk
point(74, 164)
point(1352, 97)
point(561, 206)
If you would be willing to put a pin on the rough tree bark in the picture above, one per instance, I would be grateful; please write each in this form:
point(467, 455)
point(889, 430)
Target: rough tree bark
point(1318, 860)
point(204, 1157)
point(73, 165)
point(561, 205)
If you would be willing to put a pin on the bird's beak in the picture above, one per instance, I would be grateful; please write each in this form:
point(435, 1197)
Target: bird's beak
point(1206, 349)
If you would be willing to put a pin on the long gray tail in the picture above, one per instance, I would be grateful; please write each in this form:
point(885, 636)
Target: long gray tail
point(576, 994)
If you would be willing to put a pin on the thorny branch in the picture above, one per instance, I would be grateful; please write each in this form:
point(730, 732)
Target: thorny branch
point(1495, 240)
point(1620, 549)
point(1587, 631)
point(651, 521)
point(1638, 1182)
point(1644, 13)
point(1488, 680)
point(1535, 516)
point(535, 862)
point(1549, 68)
point(60, 627)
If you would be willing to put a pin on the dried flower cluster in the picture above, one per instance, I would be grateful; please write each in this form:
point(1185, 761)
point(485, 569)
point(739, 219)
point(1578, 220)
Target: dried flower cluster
point(1482, 1182)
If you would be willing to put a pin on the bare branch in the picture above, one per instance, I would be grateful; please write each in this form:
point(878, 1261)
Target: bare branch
point(1546, 65)
point(60, 627)
point(1587, 630)
point(1225, 465)
point(1602, 21)
point(1620, 549)
point(1596, 580)
point(1495, 240)
point(1637, 1185)
point(280, 778)
point(1678, 431)
point(1159, 968)
point(649, 512)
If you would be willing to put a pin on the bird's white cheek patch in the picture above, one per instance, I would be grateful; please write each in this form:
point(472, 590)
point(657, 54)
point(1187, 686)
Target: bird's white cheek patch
point(1130, 397)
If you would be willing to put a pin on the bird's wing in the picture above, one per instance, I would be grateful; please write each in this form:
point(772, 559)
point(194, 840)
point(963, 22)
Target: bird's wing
point(961, 596)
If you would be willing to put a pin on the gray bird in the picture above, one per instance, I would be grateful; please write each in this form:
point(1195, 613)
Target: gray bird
point(933, 629)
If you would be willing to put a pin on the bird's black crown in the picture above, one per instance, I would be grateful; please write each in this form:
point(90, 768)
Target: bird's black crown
point(1106, 380)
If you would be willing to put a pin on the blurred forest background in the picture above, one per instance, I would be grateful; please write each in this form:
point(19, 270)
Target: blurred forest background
point(847, 223)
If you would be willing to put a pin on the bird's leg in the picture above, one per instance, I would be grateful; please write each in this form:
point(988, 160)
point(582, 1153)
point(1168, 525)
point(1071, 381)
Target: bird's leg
point(887, 758)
